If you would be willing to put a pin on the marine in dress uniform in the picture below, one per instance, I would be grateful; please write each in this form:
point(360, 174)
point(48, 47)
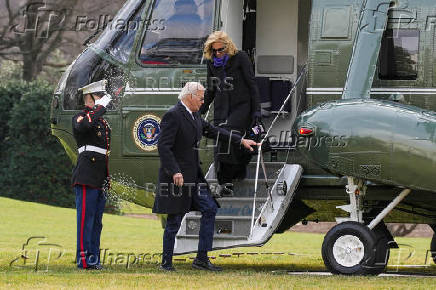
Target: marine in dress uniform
point(92, 134)
point(182, 186)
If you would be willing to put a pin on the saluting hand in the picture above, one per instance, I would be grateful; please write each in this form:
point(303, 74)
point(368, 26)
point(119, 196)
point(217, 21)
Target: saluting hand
point(178, 179)
point(247, 143)
point(104, 101)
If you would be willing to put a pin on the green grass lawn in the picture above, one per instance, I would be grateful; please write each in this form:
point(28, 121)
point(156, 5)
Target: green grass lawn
point(132, 208)
point(125, 237)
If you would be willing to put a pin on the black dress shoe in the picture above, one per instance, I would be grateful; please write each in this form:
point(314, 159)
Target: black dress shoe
point(205, 265)
point(223, 191)
point(94, 267)
point(168, 268)
point(226, 192)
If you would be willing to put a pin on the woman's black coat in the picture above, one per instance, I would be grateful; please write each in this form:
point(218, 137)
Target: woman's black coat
point(233, 91)
point(236, 98)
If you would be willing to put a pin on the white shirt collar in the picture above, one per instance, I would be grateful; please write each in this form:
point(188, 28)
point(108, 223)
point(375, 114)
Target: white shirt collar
point(187, 109)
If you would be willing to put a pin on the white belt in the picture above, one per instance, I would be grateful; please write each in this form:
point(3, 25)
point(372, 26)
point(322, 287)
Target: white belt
point(92, 148)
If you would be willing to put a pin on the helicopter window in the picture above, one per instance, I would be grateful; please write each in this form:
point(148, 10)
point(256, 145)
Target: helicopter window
point(123, 43)
point(90, 67)
point(399, 55)
point(117, 28)
point(185, 25)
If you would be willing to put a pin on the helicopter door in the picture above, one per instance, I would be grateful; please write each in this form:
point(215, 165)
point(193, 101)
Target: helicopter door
point(275, 37)
point(169, 54)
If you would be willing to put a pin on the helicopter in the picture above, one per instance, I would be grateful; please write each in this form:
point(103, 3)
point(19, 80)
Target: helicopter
point(347, 95)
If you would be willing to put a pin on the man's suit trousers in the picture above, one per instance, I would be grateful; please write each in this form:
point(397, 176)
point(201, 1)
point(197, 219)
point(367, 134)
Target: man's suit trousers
point(203, 202)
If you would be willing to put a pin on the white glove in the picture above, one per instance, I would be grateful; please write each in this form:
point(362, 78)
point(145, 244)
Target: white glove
point(104, 101)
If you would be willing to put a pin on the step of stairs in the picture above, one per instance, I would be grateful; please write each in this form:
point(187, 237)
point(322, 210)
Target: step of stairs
point(245, 188)
point(234, 217)
point(272, 169)
point(237, 206)
point(225, 226)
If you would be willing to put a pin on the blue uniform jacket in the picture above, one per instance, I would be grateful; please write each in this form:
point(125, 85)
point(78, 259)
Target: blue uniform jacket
point(89, 128)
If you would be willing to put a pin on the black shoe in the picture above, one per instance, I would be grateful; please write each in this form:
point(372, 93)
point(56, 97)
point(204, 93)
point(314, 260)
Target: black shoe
point(205, 265)
point(223, 191)
point(226, 192)
point(94, 267)
point(168, 268)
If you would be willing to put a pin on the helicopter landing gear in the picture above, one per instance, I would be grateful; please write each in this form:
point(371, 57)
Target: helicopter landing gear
point(356, 190)
point(348, 249)
point(353, 248)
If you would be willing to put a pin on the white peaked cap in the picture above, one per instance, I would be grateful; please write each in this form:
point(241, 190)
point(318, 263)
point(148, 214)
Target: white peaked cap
point(95, 87)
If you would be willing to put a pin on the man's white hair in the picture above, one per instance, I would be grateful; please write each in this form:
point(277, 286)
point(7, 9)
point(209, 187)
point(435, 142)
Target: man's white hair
point(191, 88)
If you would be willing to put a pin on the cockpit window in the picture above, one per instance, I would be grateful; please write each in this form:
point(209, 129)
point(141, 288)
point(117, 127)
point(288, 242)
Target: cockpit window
point(119, 35)
point(176, 32)
point(88, 68)
point(122, 45)
point(399, 55)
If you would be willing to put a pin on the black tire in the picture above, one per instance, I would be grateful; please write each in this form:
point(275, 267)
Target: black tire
point(382, 250)
point(433, 248)
point(362, 236)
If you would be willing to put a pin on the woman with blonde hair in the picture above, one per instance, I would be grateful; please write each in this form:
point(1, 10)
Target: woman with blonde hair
point(232, 88)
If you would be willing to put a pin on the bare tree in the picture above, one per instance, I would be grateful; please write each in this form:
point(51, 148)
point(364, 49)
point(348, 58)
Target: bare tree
point(34, 29)
point(31, 30)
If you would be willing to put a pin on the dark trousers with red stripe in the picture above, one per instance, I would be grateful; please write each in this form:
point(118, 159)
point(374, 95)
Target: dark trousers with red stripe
point(90, 203)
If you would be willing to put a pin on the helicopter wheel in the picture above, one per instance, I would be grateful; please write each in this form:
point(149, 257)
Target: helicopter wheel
point(350, 248)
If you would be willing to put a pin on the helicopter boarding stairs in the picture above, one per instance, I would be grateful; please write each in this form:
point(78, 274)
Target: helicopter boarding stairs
point(234, 223)
point(269, 188)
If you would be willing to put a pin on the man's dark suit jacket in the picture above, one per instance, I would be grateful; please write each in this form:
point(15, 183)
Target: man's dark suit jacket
point(178, 141)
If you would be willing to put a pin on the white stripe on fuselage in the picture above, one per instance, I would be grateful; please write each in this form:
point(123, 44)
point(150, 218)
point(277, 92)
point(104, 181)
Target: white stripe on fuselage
point(374, 91)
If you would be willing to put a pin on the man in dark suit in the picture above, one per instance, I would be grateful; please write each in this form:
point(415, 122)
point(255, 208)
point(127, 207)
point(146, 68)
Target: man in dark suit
point(182, 186)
